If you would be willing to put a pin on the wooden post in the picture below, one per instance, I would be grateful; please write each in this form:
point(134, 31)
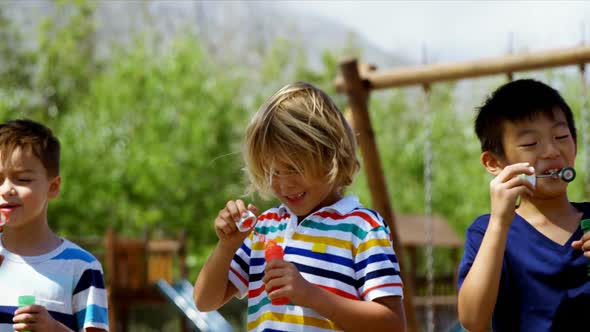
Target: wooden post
point(182, 255)
point(110, 268)
point(455, 71)
point(358, 99)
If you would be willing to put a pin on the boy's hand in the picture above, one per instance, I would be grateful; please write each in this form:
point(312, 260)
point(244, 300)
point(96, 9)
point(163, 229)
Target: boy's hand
point(284, 279)
point(583, 244)
point(225, 223)
point(35, 318)
point(505, 189)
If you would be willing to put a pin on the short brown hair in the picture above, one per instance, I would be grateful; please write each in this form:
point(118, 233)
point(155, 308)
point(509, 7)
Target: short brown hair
point(29, 135)
point(301, 127)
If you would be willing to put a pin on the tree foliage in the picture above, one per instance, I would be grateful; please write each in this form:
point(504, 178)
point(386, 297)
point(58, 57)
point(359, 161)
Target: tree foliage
point(152, 135)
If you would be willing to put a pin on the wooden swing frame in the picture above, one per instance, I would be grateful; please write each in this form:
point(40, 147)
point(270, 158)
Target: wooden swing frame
point(357, 82)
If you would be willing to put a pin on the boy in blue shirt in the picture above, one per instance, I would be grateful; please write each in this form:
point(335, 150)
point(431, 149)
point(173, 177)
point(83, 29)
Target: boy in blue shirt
point(66, 281)
point(523, 266)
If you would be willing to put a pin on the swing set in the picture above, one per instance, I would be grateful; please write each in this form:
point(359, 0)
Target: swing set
point(358, 80)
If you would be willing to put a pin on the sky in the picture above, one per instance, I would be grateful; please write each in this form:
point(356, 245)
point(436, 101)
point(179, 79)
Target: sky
point(459, 30)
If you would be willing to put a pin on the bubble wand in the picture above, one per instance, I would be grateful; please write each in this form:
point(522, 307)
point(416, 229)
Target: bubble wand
point(567, 174)
point(26, 300)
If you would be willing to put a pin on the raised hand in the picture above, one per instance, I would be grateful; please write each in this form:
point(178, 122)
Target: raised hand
point(583, 244)
point(225, 223)
point(505, 189)
point(35, 318)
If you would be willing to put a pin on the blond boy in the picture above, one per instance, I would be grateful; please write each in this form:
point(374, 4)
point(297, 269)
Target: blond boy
point(339, 270)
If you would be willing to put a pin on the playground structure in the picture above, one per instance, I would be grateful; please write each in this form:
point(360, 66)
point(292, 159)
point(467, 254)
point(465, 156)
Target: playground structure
point(149, 271)
point(412, 228)
point(358, 80)
point(140, 271)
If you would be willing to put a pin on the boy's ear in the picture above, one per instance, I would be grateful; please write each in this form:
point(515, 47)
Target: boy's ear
point(491, 162)
point(54, 187)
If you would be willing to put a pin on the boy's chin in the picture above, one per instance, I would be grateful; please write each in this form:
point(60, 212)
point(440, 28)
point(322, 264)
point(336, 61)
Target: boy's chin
point(553, 192)
point(299, 211)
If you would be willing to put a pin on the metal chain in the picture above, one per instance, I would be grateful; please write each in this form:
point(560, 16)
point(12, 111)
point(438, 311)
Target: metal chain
point(428, 229)
point(584, 120)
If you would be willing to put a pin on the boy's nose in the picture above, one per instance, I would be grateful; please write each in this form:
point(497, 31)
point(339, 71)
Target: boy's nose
point(550, 151)
point(284, 183)
point(7, 190)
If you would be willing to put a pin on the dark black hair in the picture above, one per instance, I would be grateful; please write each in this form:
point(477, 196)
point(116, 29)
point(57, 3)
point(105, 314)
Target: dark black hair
point(516, 101)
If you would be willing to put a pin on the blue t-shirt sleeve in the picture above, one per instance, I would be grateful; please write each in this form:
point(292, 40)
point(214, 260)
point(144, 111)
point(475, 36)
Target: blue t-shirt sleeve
point(473, 238)
point(89, 302)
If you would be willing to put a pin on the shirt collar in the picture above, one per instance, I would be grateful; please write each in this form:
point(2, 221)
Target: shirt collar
point(342, 206)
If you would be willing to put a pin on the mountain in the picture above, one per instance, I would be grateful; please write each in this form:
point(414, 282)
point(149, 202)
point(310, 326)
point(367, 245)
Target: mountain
point(243, 30)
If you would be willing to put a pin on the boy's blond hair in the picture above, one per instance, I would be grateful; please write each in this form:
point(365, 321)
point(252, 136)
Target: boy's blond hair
point(301, 129)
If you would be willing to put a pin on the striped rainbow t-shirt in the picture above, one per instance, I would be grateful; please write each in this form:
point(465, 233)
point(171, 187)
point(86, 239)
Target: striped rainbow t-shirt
point(68, 282)
point(343, 248)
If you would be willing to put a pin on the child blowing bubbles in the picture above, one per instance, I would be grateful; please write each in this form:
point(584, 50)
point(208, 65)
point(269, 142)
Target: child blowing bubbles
point(522, 266)
point(339, 271)
point(66, 280)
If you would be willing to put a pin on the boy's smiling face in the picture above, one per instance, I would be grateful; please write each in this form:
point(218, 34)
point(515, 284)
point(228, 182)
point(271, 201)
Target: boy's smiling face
point(303, 196)
point(546, 143)
point(25, 189)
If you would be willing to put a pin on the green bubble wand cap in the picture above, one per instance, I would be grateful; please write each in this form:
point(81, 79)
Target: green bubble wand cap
point(25, 300)
point(585, 225)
